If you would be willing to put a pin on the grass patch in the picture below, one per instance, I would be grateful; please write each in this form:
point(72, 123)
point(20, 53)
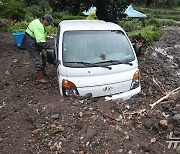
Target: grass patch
point(153, 22)
point(15, 27)
point(173, 17)
point(130, 25)
point(169, 22)
point(162, 13)
point(150, 33)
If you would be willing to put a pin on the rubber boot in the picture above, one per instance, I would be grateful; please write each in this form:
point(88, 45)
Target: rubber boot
point(40, 77)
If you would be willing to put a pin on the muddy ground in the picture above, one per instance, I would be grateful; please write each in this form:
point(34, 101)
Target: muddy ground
point(35, 119)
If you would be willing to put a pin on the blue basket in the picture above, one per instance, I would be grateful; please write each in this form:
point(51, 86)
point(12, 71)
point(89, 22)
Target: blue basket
point(18, 36)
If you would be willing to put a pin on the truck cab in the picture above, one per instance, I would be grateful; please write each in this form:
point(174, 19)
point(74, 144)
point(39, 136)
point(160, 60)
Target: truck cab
point(96, 57)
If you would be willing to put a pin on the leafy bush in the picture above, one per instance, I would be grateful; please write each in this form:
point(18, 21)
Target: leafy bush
point(177, 9)
point(12, 9)
point(69, 17)
point(133, 35)
point(154, 22)
point(15, 27)
point(92, 16)
point(151, 34)
point(65, 17)
point(173, 17)
point(22, 26)
point(56, 22)
point(59, 15)
point(33, 12)
point(169, 22)
point(162, 13)
point(127, 26)
point(131, 24)
point(51, 30)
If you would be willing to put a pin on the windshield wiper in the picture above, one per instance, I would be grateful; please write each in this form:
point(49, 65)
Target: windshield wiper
point(115, 62)
point(90, 64)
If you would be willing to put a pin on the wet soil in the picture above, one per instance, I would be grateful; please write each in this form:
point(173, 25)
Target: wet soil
point(35, 119)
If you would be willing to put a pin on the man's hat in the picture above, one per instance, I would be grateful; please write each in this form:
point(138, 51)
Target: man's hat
point(49, 18)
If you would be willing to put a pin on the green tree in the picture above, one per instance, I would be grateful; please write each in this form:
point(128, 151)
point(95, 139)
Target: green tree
point(12, 9)
point(108, 10)
point(158, 3)
point(41, 4)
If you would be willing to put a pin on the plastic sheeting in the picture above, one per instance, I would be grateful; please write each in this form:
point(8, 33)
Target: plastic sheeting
point(133, 13)
point(92, 9)
point(129, 11)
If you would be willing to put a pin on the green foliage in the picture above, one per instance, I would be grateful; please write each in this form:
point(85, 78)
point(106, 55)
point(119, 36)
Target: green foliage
point(12, 9)
point(151, 34)
point(159, 11)
point(56, 22)
point(153, 22)
point(162, 13)
point(131, 24)
point(70, 17)
point(92, 16)
point(42, 4)
point(15, 27)
point(22, 26)
point(173, 17)
point(128, 26)
point(108, 10)
point(33, 12)
point(133, 35)
point(51, 30)
point(177, 8)
point(158, 3)
point(59, 15)
point(169, 22)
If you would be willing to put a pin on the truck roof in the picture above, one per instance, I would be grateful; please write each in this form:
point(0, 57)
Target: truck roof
point(70, 25)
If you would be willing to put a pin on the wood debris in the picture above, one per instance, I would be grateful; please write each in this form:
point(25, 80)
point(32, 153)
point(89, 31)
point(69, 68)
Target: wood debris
point(165, 97)
point(135, 112)
point(160, 86)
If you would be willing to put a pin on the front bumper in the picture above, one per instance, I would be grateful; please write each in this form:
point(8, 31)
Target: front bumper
point(124, 95)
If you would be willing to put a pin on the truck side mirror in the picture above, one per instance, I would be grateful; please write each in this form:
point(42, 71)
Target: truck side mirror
point(51, 57)
point(137, 47)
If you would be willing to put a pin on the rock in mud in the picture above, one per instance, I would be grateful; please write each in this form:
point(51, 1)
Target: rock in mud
point(164, 124)
point(176, 119)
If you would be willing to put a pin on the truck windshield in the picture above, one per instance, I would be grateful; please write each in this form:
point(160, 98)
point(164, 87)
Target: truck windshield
point(96, 47)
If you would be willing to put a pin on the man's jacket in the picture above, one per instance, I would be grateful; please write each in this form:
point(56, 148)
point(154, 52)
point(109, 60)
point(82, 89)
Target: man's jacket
point(35, 36)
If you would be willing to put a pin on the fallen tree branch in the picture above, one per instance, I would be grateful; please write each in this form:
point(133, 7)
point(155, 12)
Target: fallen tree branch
point(160, 86)
point(164, 97)
point(134, 112)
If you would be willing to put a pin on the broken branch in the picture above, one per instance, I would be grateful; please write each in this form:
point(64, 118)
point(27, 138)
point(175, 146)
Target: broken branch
point(160, 86)
point(164, 97)
point(135, 112)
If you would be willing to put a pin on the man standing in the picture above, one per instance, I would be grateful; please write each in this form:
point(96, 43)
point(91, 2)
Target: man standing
point(35, 42)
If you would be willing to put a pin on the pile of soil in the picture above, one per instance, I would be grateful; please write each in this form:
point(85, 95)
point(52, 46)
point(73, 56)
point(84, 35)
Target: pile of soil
point(36, 119)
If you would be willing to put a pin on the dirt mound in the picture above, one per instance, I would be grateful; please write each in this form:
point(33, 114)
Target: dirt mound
point(36, 119)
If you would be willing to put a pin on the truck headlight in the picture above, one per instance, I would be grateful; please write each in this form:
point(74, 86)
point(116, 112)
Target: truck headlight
point(136, 80)
point(69, 88)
